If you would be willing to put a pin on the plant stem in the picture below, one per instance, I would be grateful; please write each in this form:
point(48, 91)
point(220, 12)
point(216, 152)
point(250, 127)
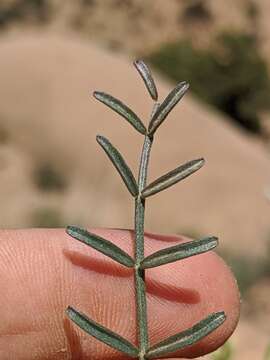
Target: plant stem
point(139, 251)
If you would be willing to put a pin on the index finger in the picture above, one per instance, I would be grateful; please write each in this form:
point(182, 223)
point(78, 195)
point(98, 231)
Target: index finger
point(44, 271)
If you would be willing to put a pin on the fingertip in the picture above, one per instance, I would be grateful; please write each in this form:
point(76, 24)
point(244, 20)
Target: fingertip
point(183, 294)
point(216, 289)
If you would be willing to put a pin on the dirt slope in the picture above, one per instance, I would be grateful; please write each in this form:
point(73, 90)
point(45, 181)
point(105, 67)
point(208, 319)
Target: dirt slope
point(49, 116)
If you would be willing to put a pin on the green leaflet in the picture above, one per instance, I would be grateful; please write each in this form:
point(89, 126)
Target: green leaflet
point(98, 243)
point(187, 337)
point(166, 107)
point(172, 177)
point(179, 252)
point(101, 333)
point(146, 75)
point(121, 109)
point(119, 164)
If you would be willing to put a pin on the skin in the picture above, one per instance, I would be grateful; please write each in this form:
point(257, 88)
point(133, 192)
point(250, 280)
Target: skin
point(44, 271)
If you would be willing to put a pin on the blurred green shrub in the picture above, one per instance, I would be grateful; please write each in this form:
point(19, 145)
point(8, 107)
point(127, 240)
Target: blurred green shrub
point(20, 9)
point(47, 178)
point(267, 353)
point(47, 218)
point(223, 353)
point(233, 76)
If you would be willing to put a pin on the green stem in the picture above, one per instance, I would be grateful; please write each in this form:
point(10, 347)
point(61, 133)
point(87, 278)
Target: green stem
point(139, 251)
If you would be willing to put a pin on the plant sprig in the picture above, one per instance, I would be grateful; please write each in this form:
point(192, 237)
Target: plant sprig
point(140, 191)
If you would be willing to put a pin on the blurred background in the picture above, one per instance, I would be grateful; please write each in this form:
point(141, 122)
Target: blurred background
point(54, 54)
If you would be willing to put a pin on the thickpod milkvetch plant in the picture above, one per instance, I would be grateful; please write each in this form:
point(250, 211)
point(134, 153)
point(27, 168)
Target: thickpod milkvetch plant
point(140, 190)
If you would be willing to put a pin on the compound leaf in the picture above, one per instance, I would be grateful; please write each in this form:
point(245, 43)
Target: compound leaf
point(101, 333)
point(167, 105)
point(172, 177)
point(146, 75)
point(119, 164)
point(179, 252)
point(187, 337)
point(121, 109)
point(102, 245)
